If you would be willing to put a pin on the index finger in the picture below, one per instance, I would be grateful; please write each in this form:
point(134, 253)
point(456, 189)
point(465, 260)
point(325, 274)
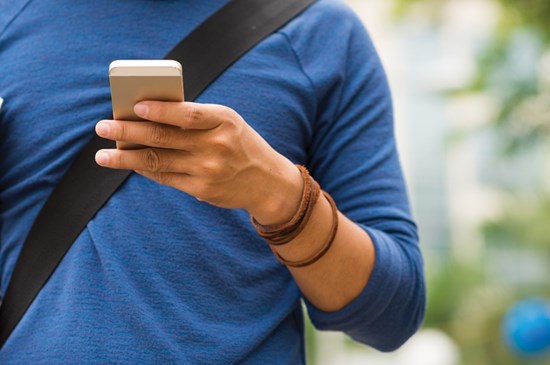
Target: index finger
point(181, 114)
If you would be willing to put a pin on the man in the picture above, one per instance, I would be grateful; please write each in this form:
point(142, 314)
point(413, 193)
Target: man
point(171, 270)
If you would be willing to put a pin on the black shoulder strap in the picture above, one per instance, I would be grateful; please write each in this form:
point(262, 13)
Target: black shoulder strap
point(204, 54)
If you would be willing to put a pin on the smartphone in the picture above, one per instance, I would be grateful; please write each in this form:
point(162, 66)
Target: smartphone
point(135, 80)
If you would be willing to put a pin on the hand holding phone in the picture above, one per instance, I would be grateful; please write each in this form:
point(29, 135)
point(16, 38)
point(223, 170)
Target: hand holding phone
point(133, 81)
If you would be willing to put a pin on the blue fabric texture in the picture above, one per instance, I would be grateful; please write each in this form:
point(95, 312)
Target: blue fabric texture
point(157, 276)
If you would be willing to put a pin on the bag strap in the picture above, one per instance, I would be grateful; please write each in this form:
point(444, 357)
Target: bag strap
point(204, 54)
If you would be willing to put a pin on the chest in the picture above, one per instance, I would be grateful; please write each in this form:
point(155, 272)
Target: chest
point(54, 58)
point(54, 82)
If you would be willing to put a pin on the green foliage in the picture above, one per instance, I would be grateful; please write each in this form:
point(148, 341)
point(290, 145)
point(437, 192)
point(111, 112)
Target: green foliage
point(527, 13)
point(430, 8)
point(447, 285)
point(462, 301)
point(523, 221)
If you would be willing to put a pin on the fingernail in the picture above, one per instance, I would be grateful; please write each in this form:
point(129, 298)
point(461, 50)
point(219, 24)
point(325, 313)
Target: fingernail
point(103, 128)
point(141, 109)
point(102, 158)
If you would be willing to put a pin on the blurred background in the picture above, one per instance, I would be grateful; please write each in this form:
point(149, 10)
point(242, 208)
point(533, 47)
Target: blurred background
point(471, 87)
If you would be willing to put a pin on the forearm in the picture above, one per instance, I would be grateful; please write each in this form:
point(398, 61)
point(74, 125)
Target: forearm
point(343, 272)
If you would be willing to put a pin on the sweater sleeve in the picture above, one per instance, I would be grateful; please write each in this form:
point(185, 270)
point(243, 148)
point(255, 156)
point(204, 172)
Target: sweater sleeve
point(353, 156)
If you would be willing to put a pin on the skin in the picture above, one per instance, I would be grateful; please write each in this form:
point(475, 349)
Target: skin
point(211, 153)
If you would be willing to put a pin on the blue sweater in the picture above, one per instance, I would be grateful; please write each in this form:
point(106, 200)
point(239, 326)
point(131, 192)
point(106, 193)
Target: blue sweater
point(157, 276)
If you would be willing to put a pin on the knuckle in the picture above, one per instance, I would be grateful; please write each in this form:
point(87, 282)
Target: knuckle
point(158, 135)
point(118, 159)
point(212, 168)
point(122, 131)
point(152, 160)
point(194, 113)
point(228, 112)
point(221, 143)
point(228, 115)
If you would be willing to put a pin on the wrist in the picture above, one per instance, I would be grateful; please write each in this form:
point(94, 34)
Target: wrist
point(279, 203)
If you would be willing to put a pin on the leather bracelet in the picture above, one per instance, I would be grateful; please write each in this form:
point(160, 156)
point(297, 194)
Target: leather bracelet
point(286, 237)
point(326, 246)
point(303, 204)
point(281, 234)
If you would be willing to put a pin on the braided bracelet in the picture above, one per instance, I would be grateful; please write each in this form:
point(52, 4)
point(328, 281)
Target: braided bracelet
point(326, 246)
point(281, 234)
